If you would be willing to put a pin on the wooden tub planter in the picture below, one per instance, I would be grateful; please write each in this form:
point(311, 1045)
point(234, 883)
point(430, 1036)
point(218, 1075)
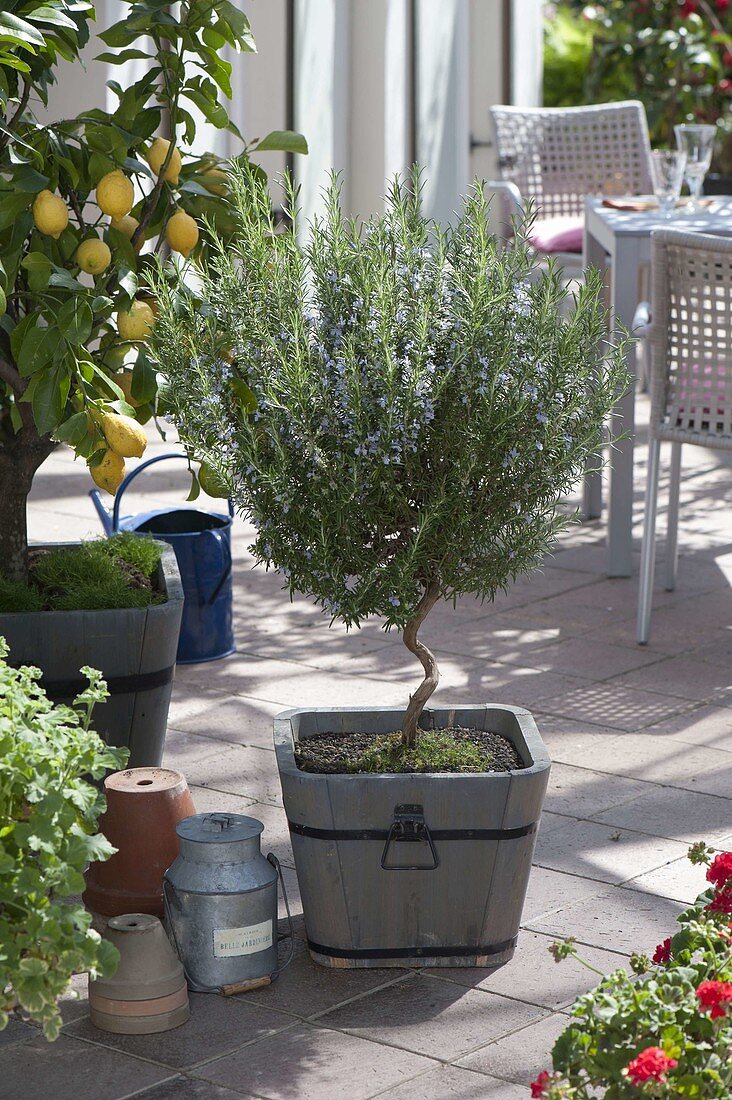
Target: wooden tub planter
point(134, 648)
point(413, 869)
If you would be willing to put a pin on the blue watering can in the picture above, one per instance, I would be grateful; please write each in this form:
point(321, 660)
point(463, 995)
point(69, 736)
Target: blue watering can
point(202, 544)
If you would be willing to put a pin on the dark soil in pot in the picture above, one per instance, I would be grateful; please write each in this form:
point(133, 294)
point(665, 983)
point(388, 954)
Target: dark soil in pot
point(455, 749)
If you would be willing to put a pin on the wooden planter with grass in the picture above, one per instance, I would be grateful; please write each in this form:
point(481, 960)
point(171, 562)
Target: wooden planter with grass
point(412, 869)
point(133, 647)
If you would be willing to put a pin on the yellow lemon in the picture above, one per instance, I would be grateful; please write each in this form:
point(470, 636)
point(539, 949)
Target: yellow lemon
point(157, 153)
point(128, 225)
point(124, 435)
point(110, 472)
point(215, 181)
point(135, 323)
point(124, 381)
point(50, 213)
point(181, 233)
point(93, 256)
point(211, 481)
point(115, 194)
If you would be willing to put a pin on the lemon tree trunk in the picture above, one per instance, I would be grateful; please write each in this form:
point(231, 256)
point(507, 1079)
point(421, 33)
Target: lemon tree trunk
point(20, 457)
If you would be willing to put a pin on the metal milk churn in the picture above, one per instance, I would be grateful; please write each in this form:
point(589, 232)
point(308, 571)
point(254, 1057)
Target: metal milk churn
point(221, 902)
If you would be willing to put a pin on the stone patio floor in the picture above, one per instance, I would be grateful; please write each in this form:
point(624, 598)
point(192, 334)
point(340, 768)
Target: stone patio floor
point(640, 740)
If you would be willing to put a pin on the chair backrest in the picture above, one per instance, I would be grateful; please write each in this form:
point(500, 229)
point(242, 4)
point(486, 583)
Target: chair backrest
point(559, 155)
point(691, 337)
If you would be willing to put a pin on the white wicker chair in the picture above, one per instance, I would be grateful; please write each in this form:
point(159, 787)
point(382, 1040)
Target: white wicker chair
point(689, 336)
point(557, 156)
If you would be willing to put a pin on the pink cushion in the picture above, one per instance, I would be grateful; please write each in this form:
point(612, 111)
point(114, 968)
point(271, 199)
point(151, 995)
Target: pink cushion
point(560, 234)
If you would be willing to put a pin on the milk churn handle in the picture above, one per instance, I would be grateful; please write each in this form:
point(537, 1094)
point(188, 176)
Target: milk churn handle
point(272, 858)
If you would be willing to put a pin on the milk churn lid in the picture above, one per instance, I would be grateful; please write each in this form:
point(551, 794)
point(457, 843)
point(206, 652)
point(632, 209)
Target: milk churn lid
point(218, 828)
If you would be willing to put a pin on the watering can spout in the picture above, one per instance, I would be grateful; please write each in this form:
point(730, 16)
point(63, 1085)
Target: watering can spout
point(96, 498)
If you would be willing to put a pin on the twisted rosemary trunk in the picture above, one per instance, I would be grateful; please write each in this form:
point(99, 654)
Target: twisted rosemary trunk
point(429, 664)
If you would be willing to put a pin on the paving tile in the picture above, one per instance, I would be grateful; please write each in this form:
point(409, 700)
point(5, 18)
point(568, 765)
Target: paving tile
point(615, 705)
point(620, 920)
point(222, 716)
point(185, 1088)
point(519, 1057)
point(571, 740)
point(584, 793)
point(447, 1082)
point(656, 759)
point(679, 814)
point(306, 989)
point(682, 676)
point(72, 1070)
point(550, 891)
point(534, 976)
point(704, 726)
point(16, 1031)
point(492, 638)
point(315, 1064)
point(184, 751)
point(603, 851)
point(429, 1016)
point(241, 769)
point(585, 657)
point(217, 1025)
point(679, 880)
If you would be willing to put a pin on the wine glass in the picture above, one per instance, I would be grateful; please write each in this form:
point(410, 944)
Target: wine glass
point(667, 170)
point(698, 143)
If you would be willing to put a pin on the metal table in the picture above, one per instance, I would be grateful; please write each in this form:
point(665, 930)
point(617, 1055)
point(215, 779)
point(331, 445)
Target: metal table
point(621, 240)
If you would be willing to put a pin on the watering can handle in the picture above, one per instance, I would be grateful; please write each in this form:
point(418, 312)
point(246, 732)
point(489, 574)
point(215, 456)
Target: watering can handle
point(225, 551)
point(133, 474)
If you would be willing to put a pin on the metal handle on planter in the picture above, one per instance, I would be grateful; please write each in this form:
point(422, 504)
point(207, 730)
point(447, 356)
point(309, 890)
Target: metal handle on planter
point(225, 552)
point(133, 474)
point(409, 826)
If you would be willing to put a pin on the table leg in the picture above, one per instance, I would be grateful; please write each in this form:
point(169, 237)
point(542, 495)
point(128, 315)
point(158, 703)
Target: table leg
point(624, 284)
point(594, 255)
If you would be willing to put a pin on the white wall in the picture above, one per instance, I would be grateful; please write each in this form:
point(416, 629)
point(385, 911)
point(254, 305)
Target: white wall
point(527, 48)
point(353, 90)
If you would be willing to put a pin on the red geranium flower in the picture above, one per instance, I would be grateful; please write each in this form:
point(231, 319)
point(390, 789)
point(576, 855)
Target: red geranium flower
point(714, 996)
point(721, 868)
point(540, 1086)
point(721, 902)
point(662, 954)
point(650, 1065)
point(689, 7)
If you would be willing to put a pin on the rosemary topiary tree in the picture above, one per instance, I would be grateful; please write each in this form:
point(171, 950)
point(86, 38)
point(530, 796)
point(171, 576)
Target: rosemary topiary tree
point(419, 403)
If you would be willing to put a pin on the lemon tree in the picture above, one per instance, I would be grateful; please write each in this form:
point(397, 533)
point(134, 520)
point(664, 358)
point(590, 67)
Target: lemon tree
point(86, 204)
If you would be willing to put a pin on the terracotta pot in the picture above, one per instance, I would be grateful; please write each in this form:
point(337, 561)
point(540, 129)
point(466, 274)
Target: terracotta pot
point(148, 991)
point(144, 805)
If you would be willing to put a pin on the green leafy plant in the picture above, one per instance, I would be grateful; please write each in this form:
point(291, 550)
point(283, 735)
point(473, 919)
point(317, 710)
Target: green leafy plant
point(400, 407)
point(673, 55)
point(101, 574)
point(48, 819)
point(666, 1030)
point(85, 205)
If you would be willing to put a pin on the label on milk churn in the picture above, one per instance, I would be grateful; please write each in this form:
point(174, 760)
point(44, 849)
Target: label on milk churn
point(228, 942)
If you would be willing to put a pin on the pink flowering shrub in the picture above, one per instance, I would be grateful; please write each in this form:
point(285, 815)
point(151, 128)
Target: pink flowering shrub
point(673, 55)
point(665, 1030)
